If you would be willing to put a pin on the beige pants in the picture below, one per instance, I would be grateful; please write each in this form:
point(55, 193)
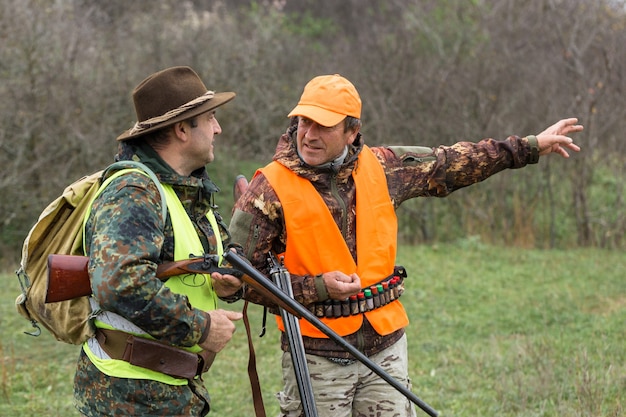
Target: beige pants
point(353, 390)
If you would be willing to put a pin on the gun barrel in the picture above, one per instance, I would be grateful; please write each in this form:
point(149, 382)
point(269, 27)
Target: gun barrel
point(281, 277)
point(249, 270)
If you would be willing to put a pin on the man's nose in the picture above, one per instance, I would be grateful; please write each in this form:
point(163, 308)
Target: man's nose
point(217, 129)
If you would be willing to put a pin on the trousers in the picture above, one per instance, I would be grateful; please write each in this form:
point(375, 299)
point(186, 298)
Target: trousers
point(351, 390)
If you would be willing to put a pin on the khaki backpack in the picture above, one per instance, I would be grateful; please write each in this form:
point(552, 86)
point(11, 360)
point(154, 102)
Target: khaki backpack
point(59, 230)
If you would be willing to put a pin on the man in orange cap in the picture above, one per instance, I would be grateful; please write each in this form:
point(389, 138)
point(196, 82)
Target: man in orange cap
point(327, 204)
point(154, 339)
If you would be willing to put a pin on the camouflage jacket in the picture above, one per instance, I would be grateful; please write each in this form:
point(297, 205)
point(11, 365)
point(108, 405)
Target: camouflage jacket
point(258, 222)
point(126, 239)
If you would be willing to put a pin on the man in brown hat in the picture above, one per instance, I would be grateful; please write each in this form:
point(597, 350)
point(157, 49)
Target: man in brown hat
point(122, 371)
point(327, 204)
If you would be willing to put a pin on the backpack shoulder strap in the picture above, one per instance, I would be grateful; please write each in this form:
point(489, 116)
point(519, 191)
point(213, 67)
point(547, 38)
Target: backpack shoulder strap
point(119, 165)
point(121, 168)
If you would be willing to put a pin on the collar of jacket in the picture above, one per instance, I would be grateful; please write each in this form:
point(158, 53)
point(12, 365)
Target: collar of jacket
point(287, 154)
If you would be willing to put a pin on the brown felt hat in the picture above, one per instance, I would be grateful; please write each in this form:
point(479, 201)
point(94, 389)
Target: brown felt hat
point(171, 96)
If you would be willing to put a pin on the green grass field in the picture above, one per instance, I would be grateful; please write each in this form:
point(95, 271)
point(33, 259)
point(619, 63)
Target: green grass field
point(493, 332)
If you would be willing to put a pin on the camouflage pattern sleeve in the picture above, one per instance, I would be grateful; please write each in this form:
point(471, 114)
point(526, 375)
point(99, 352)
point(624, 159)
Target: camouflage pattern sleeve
point(257, 225)
point(414, 171)
point(257, 222)
point(124, 237)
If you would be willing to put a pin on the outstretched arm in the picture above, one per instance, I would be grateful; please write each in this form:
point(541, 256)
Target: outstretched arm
point(555, 140)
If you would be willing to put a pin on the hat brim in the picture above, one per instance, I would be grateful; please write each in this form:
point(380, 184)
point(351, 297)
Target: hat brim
point(217, 100)
point(319, 115)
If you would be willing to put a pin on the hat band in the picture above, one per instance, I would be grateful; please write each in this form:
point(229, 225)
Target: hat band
point(147, 124)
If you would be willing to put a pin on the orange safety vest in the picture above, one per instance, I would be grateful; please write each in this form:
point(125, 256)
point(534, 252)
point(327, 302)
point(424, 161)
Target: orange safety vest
point(315, 244)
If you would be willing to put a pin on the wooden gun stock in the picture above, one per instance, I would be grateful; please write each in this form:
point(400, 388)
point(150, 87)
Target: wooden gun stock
point(68, 277)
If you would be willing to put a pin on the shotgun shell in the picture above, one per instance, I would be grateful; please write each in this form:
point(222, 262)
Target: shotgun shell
point(336, 308)
point(381, 294)
point(385, 286)
point(400, 286)
point(328, 309)
point(392, 295)
point(395, 287)
point(319, 309)
point(375, 296)
point(369, 302)
point(362, 303)
point(354, 305)
point(345, 308)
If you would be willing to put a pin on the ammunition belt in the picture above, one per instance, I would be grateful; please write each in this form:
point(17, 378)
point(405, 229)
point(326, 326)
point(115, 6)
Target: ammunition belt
point(368, 299)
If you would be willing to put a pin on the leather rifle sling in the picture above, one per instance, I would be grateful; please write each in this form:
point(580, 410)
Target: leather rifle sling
point(240, 186)
point(257, 398)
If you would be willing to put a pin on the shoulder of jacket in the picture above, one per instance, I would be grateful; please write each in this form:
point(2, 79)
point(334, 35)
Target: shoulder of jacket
point(131, 174)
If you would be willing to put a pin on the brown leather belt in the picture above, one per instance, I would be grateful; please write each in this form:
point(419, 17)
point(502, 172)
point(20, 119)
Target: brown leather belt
point(368, 299)
point(154, 355)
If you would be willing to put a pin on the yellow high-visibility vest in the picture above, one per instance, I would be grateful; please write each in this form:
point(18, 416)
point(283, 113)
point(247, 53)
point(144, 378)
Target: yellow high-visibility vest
point(198, 289)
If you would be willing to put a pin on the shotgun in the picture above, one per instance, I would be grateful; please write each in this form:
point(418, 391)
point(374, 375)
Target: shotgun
point(282, 279)
point(68, 277)
point(242, 264)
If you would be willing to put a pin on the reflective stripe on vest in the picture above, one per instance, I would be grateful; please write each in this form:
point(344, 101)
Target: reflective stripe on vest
point(315, 243)
point(197, 288)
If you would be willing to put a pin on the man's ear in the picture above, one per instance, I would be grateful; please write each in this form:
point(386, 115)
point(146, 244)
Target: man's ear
point(180, 130)
point(353, 135)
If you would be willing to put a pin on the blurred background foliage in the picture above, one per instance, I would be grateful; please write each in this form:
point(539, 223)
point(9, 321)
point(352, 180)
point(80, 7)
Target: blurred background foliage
point(429, 73)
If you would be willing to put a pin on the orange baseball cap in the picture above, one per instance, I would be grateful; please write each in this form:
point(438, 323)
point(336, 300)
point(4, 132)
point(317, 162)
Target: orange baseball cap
point(327, 100)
